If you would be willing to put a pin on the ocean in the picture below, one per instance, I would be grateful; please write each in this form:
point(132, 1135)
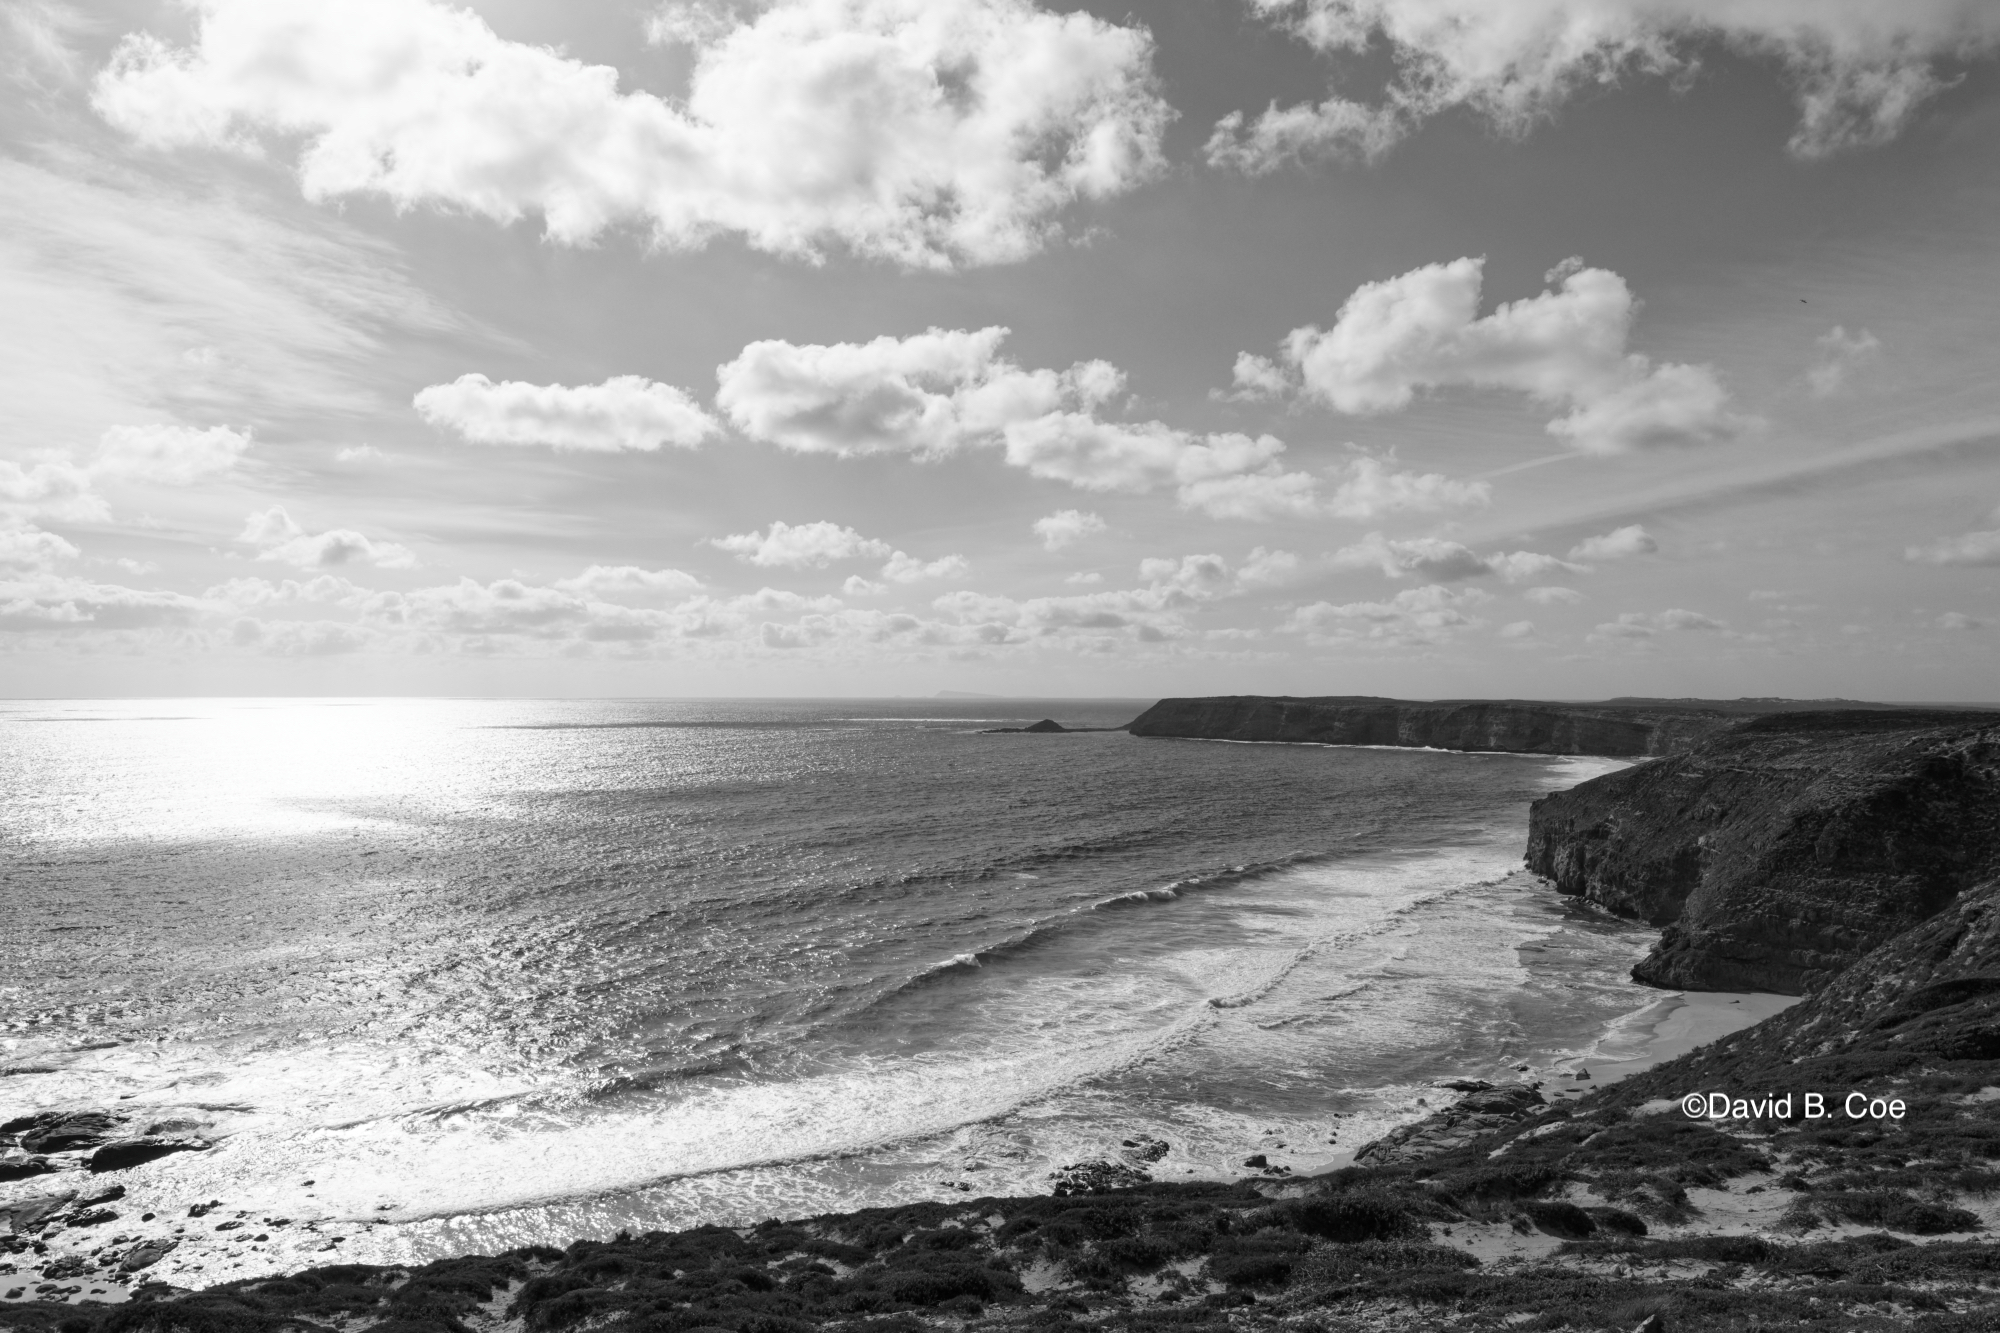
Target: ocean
point(449, 976)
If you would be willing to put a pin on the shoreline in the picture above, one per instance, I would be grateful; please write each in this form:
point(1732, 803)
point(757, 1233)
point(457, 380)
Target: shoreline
point(1684, 1021)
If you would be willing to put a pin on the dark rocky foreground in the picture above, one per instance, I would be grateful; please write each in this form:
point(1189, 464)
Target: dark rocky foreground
point(1625, 728)
point(1519, 1207)
point(1779, 850)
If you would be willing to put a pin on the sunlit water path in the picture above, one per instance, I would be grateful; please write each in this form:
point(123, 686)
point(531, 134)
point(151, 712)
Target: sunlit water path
point(487, 972)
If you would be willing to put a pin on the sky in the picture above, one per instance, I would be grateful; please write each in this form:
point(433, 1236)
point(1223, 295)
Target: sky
point(1425, 348)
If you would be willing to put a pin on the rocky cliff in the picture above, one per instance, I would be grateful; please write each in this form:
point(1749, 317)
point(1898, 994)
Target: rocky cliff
point(1633, 729)
point(1781, 849)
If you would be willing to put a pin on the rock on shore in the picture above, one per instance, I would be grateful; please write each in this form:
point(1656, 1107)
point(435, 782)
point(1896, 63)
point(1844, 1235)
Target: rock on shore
point(1780, 850)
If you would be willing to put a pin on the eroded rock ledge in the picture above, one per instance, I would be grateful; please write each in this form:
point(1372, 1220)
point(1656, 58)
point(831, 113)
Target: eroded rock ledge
point(1778, 851)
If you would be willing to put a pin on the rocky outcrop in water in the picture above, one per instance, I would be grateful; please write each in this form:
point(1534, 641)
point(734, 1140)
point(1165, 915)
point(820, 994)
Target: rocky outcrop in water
point(1632, 729)
point(1778, 851)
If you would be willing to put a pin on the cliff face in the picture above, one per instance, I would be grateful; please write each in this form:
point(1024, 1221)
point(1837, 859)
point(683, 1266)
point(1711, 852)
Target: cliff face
point(1924, 997)
point(1626, 730)
point(1778, 851)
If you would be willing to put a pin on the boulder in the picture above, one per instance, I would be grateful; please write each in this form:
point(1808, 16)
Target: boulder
point(128, 1153)
point(68, 1131)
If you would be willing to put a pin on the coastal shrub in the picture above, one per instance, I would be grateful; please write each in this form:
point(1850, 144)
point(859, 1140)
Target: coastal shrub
point(1265, 1259)
point(931, 1286)
point(1340, 1265)
point(1618, 1221)
point(1889, 1208)
point(1683, 1151)
point(1558, 1218)
point(1513, 1181)
point(1357, 1215)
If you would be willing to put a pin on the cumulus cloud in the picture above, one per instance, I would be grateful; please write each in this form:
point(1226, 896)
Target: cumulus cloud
point(170, 455)
point(908, 569)
point(1840, 354)
point(817, 545)
point(32, 549)
point(322, 590)
point(46, 602)
point(1414, 617)
point(1157, 612)
point(278, 536)
point(942, 390)
point(1552, 595)
point(808, 544)
point(55, 483)
point(1426, 557)
point(1441, 561)
point(1565, 348)
point(926, 132)
point(1858, 72)
point(1067, 527)
point(1370, 488)
point(625, 412)
point(1635, 625)
point(1971, 548)
point(1958, 620)
point(1615, 545)
point(630, 581)
point(1518, 629)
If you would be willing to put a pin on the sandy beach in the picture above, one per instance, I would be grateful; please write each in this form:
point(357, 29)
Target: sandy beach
point(1675, 1025)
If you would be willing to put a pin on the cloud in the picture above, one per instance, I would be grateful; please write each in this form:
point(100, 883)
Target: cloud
point(928, 394)
point(1371, 489)
point(1520, 566)
point(45, 602)
point(126, 298)
point(170, 455)
point(1414, 617)
point(936, 392)
point(630, 581)
point(1564, 348)
point(1443, 561)
point(809, 544)
point(1615, 545)
point(1634, 625)
point(1971, 548)
point(1067, 527)
point(1956, 620)
point(53, 483)
point(624, 412)
point(279, 537)
point(1268, 569)
point(926, 132)
point(323, 590)
point(1518, 629)
point(1425, 557)
point(1840, 354)
point(1157, 612)
point(1858, 72)
point(31, 549)
point(1552, 596)
point(908, 569)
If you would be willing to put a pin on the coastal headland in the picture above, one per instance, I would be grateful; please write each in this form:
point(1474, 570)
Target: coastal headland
point(1835, 1166)
point(1617, 728)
